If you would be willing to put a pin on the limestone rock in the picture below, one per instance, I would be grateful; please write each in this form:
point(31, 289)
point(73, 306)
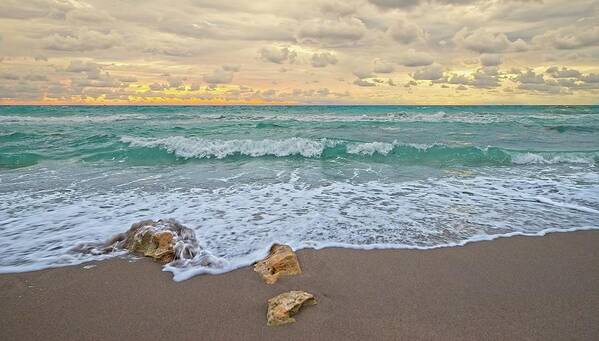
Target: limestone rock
point(281, 261)
point(164, 240)
point(282, 307)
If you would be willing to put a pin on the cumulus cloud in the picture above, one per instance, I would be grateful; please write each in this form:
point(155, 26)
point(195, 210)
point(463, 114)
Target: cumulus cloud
point(564, 72)
point(277, 55)
point(490, 59)
point(433, 72)
point(414, 58)
point(529, 77)
point(483, 41)
point(221, 75)
point(405, 33)
point(572, 37)
point(381, 67)
point(323, 59)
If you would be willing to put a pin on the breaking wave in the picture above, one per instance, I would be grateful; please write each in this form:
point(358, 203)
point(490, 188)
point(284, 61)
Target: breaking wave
point(199, 148)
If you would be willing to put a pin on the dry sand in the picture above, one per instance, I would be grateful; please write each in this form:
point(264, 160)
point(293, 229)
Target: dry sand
point(519, 288)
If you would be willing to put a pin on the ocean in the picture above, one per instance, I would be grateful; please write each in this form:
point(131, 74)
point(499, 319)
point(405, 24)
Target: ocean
point(244, 177)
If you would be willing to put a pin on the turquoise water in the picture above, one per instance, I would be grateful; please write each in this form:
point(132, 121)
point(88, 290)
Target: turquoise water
point(310, 176)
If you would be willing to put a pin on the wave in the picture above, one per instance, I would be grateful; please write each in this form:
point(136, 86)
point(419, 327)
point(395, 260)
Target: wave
point(70, 119)
point(565, 128)
point(199, 148)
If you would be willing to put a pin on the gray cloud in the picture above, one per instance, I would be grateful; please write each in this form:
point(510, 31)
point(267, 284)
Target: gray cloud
point(84, 40)
point(222, 75)
point(490, 59)
point(277, 55)
point(413, 58)
point(323, 59)
point(433, 72)
point(406, 33)
point(331, 32)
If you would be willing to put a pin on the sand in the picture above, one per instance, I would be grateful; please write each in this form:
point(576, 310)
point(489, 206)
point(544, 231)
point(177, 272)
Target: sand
point(524, 288)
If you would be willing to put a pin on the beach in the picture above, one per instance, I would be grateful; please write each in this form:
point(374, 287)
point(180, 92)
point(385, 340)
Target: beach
point(519, 288)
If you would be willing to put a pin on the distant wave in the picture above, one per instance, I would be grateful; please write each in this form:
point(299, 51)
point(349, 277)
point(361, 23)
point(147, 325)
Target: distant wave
point(565, 128)
point(70, 119)
point(191, 147)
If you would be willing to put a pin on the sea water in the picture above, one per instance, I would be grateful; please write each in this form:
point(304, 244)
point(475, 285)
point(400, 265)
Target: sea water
point(244, 177)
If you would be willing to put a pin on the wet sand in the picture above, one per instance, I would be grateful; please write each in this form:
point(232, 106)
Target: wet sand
point(518, 288)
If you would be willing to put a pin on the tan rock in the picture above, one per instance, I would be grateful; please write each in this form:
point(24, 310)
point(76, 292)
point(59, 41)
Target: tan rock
point(282, 307)
point(163, 240)
point(281, 261)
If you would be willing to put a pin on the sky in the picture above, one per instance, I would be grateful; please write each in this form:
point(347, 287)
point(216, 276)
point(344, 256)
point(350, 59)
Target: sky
point(299, 52)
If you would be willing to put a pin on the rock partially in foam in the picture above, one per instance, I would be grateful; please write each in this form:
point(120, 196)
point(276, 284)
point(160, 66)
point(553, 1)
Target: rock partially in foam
point(164, 240)
point(281, 261)
point(282, 307)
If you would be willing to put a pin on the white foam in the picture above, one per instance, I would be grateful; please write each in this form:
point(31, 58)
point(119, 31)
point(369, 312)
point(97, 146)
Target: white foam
point(553, 158)
point(235, 223)
point(371, 148)
point(191, 147)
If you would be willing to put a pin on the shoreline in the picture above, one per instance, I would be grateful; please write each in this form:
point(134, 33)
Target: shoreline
point(521, 287)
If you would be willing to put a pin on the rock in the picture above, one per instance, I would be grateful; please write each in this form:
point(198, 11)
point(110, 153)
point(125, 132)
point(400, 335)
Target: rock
point(164, 240)
point(282, 307)
point(281, 261)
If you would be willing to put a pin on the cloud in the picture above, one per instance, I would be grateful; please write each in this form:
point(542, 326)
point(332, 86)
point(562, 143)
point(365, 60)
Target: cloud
point(338, 32)
point(490, 59)
point(486, 77)
point(390, 4)
point(219, 76)
point(277, 55)
point(323, 59)
point(572, 37)
point(529, 77)
point(338, 8)
point(408, 4)
point(18, 9)
point(9, 76)
point(232, 67)
point(363, 83)
point(482, 41)
point(433, 72)
point(406, 33)
point(413, 58)
point(128, 79)
point(591, 78)
point(381, 67)
point(84, 40)
point(564, 72)
point(36, 78)
point(363, 73)
point(81, 66)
